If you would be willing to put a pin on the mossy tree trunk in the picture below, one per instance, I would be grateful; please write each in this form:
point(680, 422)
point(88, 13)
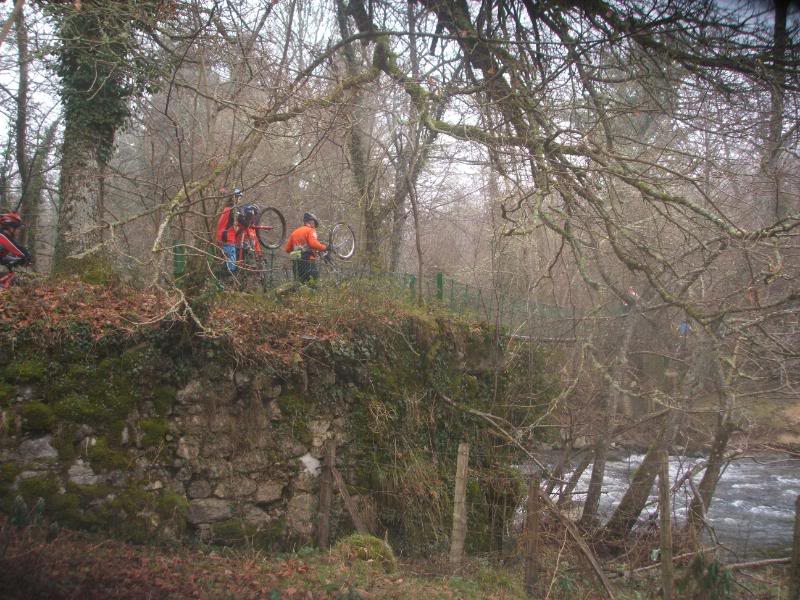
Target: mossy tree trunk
point(96, 43)
point(80, 189)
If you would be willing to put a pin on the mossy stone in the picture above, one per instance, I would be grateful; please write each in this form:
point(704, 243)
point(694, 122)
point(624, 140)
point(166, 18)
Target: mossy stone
point(29, 370)
point(6, 392)
point(104, 458)
point(164, 399)
point(95, 269)
point(237, 532)
point(366, 548)
point(80, 408)
point(153, 431)
point(37, 417)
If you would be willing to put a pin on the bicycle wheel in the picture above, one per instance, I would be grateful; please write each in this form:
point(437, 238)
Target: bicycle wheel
point(342, 241)
point(270, 228)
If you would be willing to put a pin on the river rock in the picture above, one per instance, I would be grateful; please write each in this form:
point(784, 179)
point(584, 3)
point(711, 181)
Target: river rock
point(220, 446)
point(80, 473)
point(235, 487)
point(208, 510)
point(38, 449)
point(319, 431)
point(274, 412)
point(192, 393)
point(199, 489)
point(254, 515)
point(300, 512)
point(188, 448)
point(269, 491)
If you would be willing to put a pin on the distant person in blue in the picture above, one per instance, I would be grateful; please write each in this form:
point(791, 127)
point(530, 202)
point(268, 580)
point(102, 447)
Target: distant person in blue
point(684, 329)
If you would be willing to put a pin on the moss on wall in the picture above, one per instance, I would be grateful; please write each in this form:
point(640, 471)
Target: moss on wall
point(400, 390)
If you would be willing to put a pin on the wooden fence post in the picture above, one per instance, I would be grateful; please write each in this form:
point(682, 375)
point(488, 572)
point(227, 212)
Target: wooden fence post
point(460, 506)
point(665, 523)
point(358, 521)
point(326, 495)
point(532, 536)
point(794, 570)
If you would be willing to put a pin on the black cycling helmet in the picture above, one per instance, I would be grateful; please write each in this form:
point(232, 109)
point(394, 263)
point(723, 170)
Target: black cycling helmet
point(309, 217)
point(246, 215)
point(237, 193)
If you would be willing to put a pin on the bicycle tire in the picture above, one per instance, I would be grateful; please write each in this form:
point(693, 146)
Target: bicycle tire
point(273, 238)
point(342, 241)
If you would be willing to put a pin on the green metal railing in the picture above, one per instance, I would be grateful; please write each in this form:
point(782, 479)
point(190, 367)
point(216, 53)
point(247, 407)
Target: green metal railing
point(513, 311)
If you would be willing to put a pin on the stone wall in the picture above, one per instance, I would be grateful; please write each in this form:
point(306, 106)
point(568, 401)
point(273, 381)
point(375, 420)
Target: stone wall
point(168, 436)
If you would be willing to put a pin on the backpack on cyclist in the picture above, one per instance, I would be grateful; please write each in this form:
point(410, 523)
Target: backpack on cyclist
point(246, 215)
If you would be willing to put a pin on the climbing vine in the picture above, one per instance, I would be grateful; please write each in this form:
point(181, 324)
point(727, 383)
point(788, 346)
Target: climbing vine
point(102, 62)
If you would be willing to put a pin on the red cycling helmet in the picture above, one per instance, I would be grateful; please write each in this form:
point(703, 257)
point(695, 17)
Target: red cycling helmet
point(10, 219)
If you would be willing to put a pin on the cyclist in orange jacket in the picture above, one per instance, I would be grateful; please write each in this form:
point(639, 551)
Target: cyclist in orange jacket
point(303, 247)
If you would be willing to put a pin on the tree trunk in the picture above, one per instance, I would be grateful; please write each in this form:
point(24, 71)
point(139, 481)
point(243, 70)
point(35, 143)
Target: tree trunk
point(589, 518)
point(80, 189)
point(399, 217)
point(716, 460)
point(21, 129)
point(635, 498)
point(777, 94)
point(566, 494)
point(665, 525)
point(34, 192)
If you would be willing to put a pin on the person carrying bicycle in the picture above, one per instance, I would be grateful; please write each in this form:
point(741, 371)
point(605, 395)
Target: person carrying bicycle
point(235, 228)
point(303, 247)
point(12, 253)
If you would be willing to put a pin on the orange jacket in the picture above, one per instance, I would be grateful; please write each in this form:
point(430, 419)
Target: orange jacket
point(304, 238)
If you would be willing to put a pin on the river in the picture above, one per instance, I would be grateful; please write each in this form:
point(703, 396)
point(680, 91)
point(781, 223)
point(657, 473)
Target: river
point(753, 507)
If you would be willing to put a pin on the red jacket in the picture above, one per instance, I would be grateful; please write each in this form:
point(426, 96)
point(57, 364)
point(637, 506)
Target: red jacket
point(226, 227)
point(305, 239)
point(8, 247)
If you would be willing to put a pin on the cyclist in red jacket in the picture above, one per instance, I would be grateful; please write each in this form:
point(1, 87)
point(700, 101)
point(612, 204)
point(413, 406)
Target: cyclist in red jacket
point(12, 253)
point(303, 247)
point(226, 232)
point(235, 227)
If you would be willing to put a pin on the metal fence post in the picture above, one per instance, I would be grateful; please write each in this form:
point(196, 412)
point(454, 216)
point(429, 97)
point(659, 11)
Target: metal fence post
point(179, 259)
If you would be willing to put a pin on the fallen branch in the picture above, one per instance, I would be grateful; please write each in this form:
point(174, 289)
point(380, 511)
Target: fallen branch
point(767, 562)
point(755, 564)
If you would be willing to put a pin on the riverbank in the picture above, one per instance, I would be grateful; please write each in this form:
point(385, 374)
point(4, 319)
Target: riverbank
point(39, 563)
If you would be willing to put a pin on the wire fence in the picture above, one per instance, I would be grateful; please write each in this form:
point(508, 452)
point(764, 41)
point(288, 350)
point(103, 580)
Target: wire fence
point(515, 312)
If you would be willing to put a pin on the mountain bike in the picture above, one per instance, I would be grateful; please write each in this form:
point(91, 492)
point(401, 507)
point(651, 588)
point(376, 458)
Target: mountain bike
point(254, 264)
point(14, 278)
point(341, 243)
